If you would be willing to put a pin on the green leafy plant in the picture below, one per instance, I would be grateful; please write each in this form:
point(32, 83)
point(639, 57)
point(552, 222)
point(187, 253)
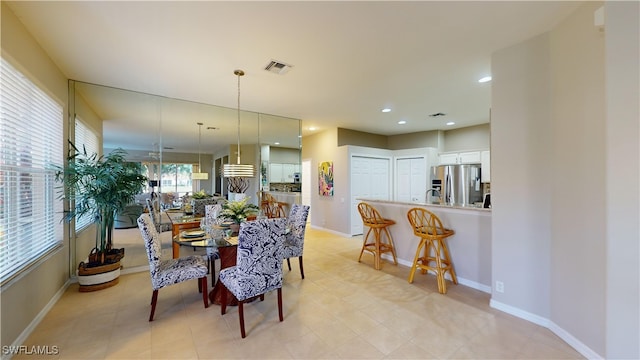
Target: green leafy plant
point(99, 186)
point(238, 210)
point(200, 195)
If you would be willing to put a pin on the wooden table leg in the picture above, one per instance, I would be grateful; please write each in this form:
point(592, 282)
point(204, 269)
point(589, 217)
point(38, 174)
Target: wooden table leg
point(175, 230)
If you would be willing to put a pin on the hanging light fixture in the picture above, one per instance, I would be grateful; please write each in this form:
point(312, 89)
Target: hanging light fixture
point(199, 175)
point(237, 169)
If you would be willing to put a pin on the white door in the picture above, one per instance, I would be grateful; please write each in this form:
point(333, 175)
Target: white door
point(369, 179)
point(418, 179)
point(403, 180)
point(411, 179)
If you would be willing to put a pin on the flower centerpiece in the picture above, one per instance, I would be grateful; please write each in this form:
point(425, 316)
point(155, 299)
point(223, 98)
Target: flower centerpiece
point(238, 210)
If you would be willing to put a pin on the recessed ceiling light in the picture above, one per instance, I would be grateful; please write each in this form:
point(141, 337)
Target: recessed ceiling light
point(402, 122)
point(312, 128)
point(385, 110)
point(276, 143)
point(450, 123)
point(485, 79)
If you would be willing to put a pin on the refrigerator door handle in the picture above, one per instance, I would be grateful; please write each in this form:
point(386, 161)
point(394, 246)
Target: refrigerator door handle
point(447, 189)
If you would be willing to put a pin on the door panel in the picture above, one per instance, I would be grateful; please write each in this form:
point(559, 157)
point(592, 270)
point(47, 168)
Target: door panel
point(369, 179)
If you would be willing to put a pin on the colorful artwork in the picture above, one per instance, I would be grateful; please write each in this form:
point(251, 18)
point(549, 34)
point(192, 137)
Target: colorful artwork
point(325, 178)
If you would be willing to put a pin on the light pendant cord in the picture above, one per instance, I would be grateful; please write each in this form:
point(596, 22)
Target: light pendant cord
point(239, 73)
point(199, 146)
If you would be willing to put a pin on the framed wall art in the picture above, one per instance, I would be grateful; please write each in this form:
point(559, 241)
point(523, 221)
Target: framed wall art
point(325, 178)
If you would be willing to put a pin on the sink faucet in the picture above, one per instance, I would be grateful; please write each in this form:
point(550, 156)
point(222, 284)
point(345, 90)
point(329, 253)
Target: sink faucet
point(435, 191)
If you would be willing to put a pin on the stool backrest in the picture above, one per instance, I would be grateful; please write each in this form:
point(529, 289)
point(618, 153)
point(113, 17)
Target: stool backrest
point(424, 222)
point(369, 214)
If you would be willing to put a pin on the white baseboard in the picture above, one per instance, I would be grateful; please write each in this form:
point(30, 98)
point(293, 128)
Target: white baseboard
point(562, 334)
point(461, 281)
point(134, 269)
point(573, 342)
point(34, 323)
point(331, 231)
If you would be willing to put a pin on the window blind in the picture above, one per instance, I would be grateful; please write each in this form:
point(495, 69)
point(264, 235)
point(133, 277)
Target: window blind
point(31, 139)
point(85, 139)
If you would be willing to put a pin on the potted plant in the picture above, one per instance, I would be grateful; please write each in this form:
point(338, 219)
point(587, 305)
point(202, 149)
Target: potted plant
point(100, 187)
point(237, 211)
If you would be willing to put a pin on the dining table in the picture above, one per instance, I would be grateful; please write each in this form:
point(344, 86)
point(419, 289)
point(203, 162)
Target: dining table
point(227, 249)
point(181, 221)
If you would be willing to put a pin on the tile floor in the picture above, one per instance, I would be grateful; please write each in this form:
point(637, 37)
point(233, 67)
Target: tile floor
point(342, 310)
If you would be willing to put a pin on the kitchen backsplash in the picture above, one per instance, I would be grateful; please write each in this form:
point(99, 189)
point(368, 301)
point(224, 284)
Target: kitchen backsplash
point(284, 187)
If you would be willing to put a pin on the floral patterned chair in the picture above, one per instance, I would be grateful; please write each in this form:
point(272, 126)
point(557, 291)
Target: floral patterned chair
point(211, 219)
point(153, 208)
point(171, 271)
point(294, 241)
point(199, 205)
point(258, 268)
point(211, 213)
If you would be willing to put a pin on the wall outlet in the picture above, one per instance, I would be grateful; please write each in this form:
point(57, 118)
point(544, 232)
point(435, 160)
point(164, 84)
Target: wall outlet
point(499, 286)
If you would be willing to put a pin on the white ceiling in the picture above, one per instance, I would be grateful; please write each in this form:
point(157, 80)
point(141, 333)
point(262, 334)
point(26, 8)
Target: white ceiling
point(350, 59)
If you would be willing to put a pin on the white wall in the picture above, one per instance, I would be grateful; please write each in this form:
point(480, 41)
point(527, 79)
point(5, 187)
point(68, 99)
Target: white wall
point(328, 212)
point(521, 172)
point(468, 138)
point(622, 187)
point(577, 283)
point(565, 172)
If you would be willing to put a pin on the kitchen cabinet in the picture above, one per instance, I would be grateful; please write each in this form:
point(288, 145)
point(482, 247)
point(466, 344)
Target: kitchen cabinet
point(485, 161)
point(282, 173)
point(448, 159)
point(275, 173)
point(467, 157)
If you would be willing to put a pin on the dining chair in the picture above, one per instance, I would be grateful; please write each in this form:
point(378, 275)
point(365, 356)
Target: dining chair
point(154, 210)
point(211, 220)
point(294, 239)
point(170, 271)
point(211, 213)
point(258, 268)
point(200, 205)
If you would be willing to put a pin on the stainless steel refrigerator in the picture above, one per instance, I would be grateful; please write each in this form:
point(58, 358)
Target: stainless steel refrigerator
point(457, 185)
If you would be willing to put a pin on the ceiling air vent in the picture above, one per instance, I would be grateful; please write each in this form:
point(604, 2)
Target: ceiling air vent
point(278, 67)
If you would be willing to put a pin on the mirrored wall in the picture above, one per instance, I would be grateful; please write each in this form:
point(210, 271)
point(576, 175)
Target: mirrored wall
point(174, 138)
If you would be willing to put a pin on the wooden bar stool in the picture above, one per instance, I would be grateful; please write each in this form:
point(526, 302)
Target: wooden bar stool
point(435, 254)
point(376, 223)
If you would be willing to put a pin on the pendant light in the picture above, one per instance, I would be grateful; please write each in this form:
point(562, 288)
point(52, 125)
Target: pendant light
point(199, 175)
point(237, 169)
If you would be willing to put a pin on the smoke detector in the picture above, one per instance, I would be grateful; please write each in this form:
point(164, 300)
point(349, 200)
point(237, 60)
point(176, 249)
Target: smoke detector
point(278, 67)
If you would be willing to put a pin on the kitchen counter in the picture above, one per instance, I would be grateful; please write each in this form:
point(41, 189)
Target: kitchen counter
point(470, 246)
point(429, 205)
